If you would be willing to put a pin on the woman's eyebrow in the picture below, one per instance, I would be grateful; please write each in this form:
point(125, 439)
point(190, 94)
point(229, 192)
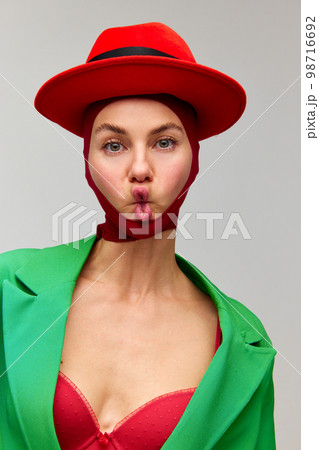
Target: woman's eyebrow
point(120, 130)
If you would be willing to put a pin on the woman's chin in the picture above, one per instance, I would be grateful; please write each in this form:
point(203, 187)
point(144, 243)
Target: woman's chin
point(140, 217)
point(141, 214)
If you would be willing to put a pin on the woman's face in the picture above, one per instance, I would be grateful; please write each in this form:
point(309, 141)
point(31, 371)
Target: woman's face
point(139, 142)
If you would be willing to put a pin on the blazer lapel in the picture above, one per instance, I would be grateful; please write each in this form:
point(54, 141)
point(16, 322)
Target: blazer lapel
point(231, 379)
point(35, 311)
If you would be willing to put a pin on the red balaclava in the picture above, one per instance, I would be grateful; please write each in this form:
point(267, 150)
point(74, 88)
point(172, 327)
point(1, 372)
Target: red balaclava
point(118, 228)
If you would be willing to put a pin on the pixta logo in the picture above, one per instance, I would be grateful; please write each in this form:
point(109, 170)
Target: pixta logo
point(68, 222)
point(233, 226)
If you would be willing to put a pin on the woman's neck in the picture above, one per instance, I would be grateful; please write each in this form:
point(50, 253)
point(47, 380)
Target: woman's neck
point(138, 270)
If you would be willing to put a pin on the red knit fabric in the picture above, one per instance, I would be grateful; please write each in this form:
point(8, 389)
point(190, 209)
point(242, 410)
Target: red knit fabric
point(135, 229)
point(147, 427)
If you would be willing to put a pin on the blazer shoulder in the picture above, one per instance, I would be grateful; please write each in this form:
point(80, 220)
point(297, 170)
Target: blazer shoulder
point(248, 322)
point(11, 260)
point(245, 320)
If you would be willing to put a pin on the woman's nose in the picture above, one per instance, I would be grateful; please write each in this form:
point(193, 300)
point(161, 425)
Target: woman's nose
point(140, 168)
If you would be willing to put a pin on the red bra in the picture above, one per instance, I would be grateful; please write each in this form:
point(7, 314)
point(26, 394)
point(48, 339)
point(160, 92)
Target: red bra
point(147, 427)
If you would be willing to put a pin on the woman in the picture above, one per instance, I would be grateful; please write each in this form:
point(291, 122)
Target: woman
point(132, 346)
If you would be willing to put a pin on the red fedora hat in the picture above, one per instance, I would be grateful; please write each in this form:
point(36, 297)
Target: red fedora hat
point(147, 58)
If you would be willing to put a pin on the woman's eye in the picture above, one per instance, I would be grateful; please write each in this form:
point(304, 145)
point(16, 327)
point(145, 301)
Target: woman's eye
point(112, 146)
point(166, 143)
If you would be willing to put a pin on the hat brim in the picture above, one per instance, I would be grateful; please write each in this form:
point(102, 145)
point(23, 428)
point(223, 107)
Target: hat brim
point(218, 99)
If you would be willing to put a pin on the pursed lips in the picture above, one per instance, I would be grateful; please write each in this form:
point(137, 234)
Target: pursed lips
point(140, 193)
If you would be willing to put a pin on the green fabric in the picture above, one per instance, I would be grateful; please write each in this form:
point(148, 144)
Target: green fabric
point(232, 408)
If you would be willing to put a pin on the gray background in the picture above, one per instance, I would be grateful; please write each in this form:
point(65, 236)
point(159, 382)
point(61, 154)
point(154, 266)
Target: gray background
point(257, 43)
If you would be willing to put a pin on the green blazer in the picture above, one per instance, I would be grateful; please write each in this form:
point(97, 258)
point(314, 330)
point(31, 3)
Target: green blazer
point(232, 407)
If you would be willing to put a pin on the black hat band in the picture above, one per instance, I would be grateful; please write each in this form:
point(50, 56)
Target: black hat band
point(130, 51)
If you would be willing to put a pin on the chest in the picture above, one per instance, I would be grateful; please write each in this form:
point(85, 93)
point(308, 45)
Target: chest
point(121, 356)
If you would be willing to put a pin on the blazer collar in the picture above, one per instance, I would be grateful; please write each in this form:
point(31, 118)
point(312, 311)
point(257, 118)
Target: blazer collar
point(51, 266)
point(35, 310)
